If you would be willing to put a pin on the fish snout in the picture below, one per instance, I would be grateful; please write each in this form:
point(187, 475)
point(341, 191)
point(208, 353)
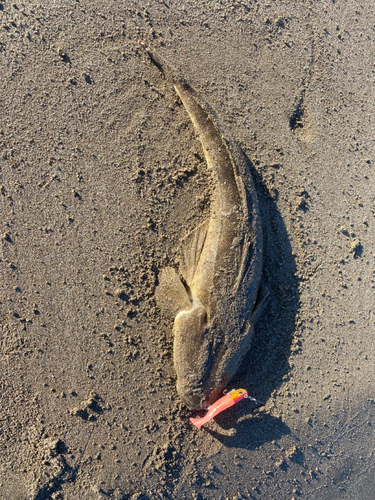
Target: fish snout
point(198, 396)
point(194, 399)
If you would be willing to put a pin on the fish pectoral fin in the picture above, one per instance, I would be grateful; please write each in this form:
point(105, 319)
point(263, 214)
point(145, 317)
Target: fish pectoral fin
point(171, 295)
point(191, 249)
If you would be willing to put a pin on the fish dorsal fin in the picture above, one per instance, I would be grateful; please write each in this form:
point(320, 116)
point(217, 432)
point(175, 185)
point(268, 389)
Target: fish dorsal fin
point(191, 249)
point(171, 295)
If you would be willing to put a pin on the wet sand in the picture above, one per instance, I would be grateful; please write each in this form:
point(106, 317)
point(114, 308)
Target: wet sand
point(101, 176)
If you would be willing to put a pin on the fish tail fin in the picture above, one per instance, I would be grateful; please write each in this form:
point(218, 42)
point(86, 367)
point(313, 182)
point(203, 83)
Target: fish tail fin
point(198, 422)
point(169, 73)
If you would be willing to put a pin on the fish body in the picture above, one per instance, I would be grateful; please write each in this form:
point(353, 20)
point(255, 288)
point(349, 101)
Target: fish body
point(220, 264)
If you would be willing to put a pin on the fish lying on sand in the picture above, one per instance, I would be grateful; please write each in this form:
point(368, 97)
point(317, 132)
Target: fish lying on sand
point(221, 264)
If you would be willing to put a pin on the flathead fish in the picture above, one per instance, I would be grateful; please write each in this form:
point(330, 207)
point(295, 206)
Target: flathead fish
point(214, 296)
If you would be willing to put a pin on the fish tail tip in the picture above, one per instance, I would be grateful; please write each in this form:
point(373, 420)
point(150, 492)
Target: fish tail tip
point(197, 422)
point(159, 63)
point(143, 44)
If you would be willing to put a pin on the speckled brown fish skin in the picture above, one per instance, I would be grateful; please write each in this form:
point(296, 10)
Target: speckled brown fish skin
point(221, 264)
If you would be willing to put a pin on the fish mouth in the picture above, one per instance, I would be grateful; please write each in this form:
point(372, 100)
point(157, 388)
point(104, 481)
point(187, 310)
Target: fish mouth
point(197, 398)
point(194, 399)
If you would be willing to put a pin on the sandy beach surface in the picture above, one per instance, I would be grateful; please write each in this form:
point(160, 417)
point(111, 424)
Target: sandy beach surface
point(102, 175)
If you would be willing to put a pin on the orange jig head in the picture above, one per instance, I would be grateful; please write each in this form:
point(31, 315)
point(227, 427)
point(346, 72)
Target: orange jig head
point(221, 404)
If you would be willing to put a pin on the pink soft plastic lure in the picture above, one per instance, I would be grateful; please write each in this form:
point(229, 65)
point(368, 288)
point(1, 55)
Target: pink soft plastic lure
point(221, 404)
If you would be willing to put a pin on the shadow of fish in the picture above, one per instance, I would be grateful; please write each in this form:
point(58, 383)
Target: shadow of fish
point(221, 264)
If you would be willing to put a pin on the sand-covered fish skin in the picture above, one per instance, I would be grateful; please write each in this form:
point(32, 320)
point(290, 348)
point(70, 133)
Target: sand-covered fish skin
point(221, 264)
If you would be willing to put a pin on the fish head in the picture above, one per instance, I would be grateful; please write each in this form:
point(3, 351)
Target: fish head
point(189, 331)
point(195, 358)
point(205, 359)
